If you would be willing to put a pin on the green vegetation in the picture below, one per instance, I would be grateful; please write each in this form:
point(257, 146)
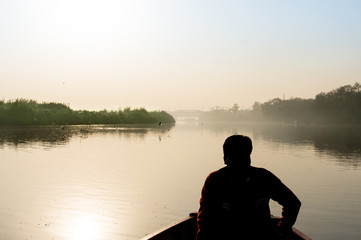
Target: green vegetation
point(29, 112)
point(339, 106)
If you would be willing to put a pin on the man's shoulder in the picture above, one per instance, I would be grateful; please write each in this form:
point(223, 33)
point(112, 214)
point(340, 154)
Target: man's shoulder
point(220, 173)
point(225, 171)
point(261, 172)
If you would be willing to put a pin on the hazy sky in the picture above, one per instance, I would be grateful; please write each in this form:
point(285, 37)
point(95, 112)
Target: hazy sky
point(176, 54)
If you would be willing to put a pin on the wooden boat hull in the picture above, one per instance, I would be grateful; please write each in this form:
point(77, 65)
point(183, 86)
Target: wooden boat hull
point(186, 229)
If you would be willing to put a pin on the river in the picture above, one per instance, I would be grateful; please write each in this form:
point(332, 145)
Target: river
point(123, 182)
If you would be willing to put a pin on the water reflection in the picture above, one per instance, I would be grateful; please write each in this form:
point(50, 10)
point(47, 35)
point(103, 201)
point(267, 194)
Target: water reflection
point(83, 227)
point(108, 182)
point(53, 136)
point(342, 142)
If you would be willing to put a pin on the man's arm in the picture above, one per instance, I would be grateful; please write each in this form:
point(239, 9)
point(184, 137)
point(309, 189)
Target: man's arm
point(289, 201)
point(203, 217)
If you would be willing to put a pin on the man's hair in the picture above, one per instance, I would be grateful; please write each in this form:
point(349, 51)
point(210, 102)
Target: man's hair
point(237, 146)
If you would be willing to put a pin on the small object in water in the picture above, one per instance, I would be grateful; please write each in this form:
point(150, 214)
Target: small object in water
point(160, 124)
point(82, 130)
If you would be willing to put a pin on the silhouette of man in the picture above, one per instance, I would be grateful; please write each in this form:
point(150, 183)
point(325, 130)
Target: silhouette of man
point(235, 199)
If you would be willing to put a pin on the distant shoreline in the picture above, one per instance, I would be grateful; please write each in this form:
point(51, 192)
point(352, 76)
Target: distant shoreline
point(341, 106)
point(23, 112)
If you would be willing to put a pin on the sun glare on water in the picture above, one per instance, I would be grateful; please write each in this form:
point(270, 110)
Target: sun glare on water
point(84, 227)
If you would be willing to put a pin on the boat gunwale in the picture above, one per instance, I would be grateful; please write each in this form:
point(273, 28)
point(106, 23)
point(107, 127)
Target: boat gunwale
point(170, 226)
point(193, 216)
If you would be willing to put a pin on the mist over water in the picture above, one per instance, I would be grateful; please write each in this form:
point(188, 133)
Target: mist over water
point(118, 181)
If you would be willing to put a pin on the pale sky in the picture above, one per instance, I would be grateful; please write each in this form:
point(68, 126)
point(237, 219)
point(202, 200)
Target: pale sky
point(173, 54)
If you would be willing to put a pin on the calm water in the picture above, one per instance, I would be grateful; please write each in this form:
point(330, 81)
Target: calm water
point(121, 182)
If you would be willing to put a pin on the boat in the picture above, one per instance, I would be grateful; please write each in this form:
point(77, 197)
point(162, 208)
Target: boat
point(186, 229)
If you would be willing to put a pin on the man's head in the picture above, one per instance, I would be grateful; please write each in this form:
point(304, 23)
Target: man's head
point(237, 150)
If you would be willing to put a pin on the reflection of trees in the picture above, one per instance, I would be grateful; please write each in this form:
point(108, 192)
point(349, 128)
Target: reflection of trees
point(341, 142)
point(24, 135)
point(59, 135)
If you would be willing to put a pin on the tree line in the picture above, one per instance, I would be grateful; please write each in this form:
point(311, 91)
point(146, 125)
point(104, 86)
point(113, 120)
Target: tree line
point(339, 106)
point(30, 112)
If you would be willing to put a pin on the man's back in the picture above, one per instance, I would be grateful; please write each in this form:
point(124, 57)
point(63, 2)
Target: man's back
point(237, 203)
